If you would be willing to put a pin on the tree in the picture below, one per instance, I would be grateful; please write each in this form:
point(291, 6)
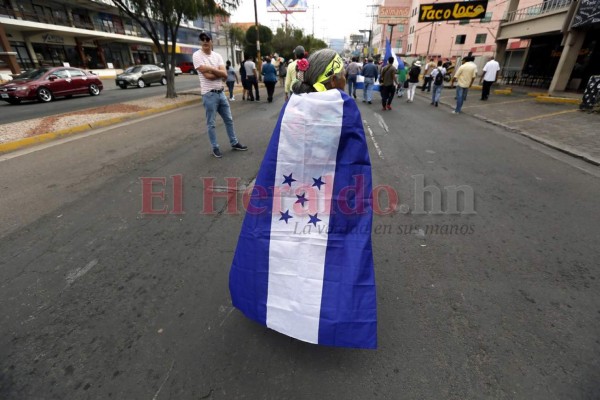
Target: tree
point(160, 19)
point(265, 35)
point(284, 42)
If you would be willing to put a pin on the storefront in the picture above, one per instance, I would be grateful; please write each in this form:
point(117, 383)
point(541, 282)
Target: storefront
point(142, 54)
point(55, 50)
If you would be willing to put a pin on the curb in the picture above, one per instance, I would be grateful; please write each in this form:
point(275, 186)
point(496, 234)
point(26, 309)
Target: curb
point(46, 137)
point(503, 91)
point(557, 100)
point(549, 143)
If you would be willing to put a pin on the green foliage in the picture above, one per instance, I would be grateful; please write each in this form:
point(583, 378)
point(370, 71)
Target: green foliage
point(265, 36)
point(161, 19)
point(284, 42)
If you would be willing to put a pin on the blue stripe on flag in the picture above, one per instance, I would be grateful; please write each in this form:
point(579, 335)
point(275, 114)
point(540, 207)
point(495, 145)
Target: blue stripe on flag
point(349, 306)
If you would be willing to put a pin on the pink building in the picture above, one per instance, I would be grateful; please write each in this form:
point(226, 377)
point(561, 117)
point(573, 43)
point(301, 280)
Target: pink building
point(445, 39)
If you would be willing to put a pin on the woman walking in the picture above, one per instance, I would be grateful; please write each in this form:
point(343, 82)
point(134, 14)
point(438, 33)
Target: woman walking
point(318, 149)
point(270, 78)
point(232, 79)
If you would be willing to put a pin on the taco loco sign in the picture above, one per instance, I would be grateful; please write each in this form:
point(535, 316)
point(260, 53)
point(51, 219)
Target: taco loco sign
point(453, 11)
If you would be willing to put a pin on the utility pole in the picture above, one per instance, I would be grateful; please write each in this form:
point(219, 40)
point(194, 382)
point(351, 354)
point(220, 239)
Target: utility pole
point(258, 59)
point(429, 44)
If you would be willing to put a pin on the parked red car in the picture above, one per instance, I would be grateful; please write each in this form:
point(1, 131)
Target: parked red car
point(46, 83)
point(187, 67)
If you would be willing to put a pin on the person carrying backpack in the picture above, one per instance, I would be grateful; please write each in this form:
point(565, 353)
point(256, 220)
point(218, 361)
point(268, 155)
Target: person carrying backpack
point(437, 76)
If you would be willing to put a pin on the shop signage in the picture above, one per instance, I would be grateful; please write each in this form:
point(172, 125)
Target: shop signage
point(454, 11)
point(588, 14)
point(393, 15)
point(141, 47)
point(49, 38)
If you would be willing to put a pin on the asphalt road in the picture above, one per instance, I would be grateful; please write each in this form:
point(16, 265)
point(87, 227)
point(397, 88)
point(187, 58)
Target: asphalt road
point(101, 302)
point(111, 94)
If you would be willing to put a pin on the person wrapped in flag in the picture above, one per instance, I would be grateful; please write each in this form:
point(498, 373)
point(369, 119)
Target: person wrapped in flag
point(303, 265)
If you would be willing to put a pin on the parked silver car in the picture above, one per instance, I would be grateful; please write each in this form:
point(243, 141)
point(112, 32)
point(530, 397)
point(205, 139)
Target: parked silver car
point(141, 76)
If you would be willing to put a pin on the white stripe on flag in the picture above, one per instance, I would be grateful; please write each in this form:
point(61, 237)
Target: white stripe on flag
point(308, 144)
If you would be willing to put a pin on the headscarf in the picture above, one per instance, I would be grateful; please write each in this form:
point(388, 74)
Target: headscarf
point(334, 67)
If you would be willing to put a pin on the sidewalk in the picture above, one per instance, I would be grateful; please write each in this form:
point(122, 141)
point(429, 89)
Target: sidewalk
point(17, 135)
point(559, 125)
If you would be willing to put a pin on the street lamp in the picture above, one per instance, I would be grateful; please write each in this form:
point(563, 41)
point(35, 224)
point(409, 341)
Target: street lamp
point(370, 54)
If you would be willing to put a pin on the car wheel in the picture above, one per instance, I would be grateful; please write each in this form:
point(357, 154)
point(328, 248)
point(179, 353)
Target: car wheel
point(94, 89)
point(163, 80)
point(44, 95)
point(14, 101)
point(141, 83)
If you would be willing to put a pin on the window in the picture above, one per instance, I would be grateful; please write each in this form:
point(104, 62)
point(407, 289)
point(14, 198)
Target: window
point(480, 38)
point(487, 18)
point(61, 73)
point(460, 39)
point(76, 72)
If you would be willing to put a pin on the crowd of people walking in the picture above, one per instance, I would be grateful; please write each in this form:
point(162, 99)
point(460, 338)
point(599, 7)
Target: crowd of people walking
point(389, 80)
point(430, 76)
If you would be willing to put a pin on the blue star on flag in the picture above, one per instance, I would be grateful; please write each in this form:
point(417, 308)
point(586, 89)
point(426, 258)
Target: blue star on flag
point(288, 179)
point(314, 219)
point(285, 216)
point(301, 199)
point(318, 182)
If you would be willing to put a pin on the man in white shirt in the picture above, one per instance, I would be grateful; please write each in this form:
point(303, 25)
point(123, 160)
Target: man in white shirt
point(252, 77)
point(489, 76)
point(211, 72)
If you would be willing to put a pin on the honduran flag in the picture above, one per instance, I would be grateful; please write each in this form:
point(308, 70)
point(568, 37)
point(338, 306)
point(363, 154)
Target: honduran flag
point(304, 263)
point(388, 53)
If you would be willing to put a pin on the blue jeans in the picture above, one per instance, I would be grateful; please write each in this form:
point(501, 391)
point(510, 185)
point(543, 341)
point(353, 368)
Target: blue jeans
point(461, 95)
point(437, 92)
point(217, 103)
point(368, 91)
point(352, 85)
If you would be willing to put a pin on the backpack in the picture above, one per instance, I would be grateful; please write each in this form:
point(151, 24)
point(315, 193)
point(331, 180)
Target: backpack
point(439, 78)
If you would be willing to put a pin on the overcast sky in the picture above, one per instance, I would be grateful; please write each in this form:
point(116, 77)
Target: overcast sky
point(333, 19)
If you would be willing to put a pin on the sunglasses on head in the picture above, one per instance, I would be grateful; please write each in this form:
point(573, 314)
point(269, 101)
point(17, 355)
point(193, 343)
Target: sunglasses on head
point(205, 39)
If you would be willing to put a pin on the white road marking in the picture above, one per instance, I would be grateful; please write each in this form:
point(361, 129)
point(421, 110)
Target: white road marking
point(79, 272)
point(379, 152)
point(382, 123)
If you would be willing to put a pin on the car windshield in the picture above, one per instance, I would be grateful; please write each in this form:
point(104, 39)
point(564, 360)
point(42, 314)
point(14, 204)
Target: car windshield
point(33, 74)
point(134, 69)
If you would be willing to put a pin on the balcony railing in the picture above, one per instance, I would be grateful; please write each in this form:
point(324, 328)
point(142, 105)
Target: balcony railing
point(537, 10)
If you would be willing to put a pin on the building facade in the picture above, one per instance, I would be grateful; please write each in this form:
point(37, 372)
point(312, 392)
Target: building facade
point(90, 34)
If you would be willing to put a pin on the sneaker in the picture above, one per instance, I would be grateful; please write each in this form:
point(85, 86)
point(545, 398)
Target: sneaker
point(384, 108)
point(455, 112)
point(239, 147)
point(389, 107)
point(436, 104)
point(232, 99)
point(216, 152)
point(369, 102)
